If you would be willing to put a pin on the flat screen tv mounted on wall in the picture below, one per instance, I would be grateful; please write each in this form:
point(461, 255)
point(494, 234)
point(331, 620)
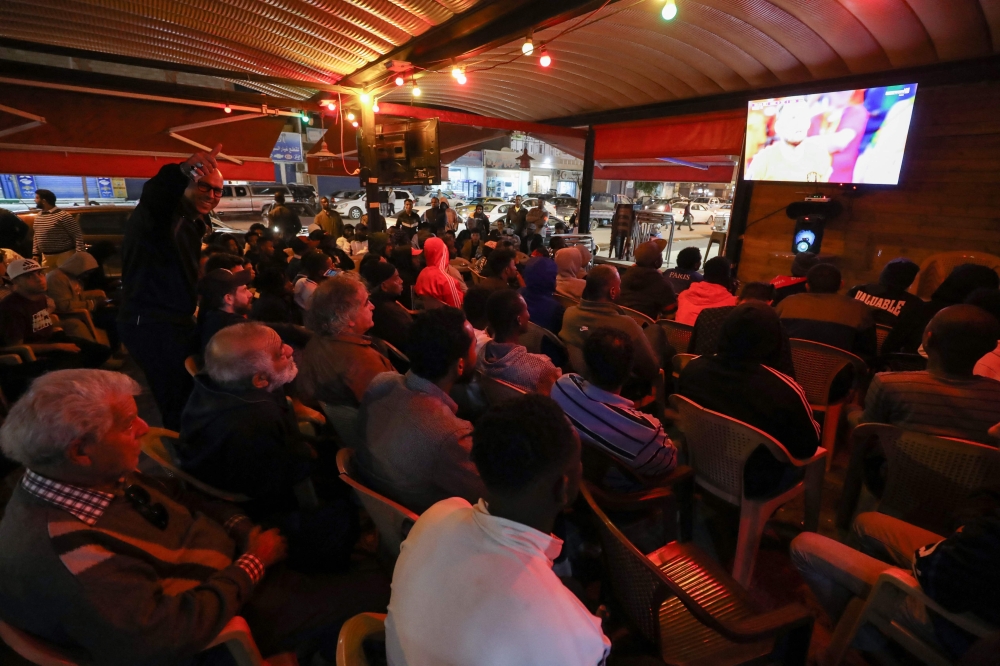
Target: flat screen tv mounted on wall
point(847, 137)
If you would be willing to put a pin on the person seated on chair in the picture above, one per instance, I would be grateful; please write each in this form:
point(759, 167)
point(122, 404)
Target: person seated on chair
point(239, 434)
point(66, 289)
point(504, 357)
point(474, 583)
point(435, 281)
point(715, 291)
point(539, 285)
point(888, 297)
point(789, 285)
point(644, 287)
point(340, 360)
point(823, 315)
point(392, 320)
point(501, 271)
point(736, 382)
point(959, 573)
point(705, 336)
point(946, 399)
point(474, 307)
point(606, 420)
point(597, 310)
point(907, 334)
point(275, 302)
point(473, 248)
point(115, 567)
point(316, 267)
point(417, 449)
point(686, 272)
point(988, 300)
point(570, 278)
point(225, 300)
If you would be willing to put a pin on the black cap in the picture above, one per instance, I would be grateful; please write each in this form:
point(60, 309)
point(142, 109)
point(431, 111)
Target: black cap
point(378, 272)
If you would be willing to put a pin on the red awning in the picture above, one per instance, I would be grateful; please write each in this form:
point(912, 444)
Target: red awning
point(89, 134)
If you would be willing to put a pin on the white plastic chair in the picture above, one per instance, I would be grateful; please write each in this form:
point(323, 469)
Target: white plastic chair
point(344, 420)
point(816, 367)
point(678, 335)
point(354, 633)
point(159, 445)
point(235, 636)
point(719, 447)
point(392, 520)
point(881, 609)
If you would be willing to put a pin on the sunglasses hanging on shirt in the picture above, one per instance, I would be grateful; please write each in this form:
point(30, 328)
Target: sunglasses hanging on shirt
point(140, 500)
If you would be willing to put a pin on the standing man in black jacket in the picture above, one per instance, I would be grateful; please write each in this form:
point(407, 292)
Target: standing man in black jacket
point(517, 216)
point(160, 257)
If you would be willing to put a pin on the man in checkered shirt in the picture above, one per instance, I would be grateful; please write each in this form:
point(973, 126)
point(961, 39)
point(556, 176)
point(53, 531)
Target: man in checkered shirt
point(116, 567)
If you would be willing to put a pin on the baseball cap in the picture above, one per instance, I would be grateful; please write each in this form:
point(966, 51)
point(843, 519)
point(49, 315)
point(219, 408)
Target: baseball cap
point(317, 235)
point(222, 281)
point(21, 267)
point(649, 252)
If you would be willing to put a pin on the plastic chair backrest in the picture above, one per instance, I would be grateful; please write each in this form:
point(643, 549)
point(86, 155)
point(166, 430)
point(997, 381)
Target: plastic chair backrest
point(881, 333)
point(719, 446)
point(566, 301)
point(353, 635)
point(635, 582)
point(817, 365)
point(497, 390)
point(937, 267)
point(158, 444)
point(680, 361)
point(532, 340)
point(399, 360)
point(344, 419)
point(640, 318)
point(392, 520)
point(678, 335)
point(930, 478)
point(33, 649)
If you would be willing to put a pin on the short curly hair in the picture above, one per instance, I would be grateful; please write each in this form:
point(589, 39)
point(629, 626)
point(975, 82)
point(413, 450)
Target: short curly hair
point(436, 340)
point(520, 440)
point(334, 303)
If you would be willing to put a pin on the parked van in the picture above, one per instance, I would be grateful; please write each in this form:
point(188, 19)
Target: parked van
point(240, 197)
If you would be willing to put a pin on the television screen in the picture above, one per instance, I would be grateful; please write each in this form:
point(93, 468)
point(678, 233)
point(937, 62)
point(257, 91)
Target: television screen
point(406, 153)
point(851, 136)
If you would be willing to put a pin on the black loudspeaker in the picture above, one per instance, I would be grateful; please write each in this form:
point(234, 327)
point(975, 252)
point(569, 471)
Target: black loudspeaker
point(810, 218)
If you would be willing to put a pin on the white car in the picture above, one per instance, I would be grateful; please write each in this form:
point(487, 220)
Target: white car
point(493, 211)
point(454, 199)
point(355, 207)
point(549, 206)
point(700, 213)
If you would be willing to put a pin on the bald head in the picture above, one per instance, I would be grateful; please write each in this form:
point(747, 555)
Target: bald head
point(603, 284)
point(958, 336)
point(249, 355)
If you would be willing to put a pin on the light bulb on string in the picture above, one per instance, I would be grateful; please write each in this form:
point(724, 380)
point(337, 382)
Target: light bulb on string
point(331, 106)
point(228, 109)
point(456, 71)
point(669, 10)
point(350, 116)
point(400, 80)
point(528, 47)
point(416, 89)
point(462, 79)
point(365, 98)
point(544, 59)
point(375, 108)
point(354, 124)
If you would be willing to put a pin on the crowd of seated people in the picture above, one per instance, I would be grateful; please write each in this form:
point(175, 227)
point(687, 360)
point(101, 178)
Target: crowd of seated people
point(95, 553)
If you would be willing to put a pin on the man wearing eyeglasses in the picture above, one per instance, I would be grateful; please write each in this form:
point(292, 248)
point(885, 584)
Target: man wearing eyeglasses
point(160, 259)
point(118, 568)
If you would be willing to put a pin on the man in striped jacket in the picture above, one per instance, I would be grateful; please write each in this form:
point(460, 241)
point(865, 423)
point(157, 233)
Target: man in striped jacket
point(57, 234)
point(116, 567)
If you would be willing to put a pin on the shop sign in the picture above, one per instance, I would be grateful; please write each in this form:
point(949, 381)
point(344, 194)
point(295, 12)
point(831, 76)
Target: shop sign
point(288, 148)
point(501, 159)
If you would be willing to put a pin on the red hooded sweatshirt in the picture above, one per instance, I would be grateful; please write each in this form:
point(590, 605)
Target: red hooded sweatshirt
point(434, 280)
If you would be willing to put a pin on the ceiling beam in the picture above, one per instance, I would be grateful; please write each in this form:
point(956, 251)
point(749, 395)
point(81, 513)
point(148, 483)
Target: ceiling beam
point(470, 119)
point(486, 26)
point(149, 63)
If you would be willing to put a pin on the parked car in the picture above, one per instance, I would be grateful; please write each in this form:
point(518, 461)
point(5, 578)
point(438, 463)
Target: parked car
point(107, 224)
point(305, 211)
point(722, 217)
point(345, 194)
point(712, 202)
point(565, 205)
point(532, 202)
point(700, 212)
point(656, 205)
point(242, 198)
point(482, 200)
point(454, 198)
point(302, 192)
point(493, 211)
point(602, 207)
point(355, 207)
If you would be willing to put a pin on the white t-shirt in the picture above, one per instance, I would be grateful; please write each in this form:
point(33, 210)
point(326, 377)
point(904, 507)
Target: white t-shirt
point(473, 589)
point(989, 365)
point(303, 292)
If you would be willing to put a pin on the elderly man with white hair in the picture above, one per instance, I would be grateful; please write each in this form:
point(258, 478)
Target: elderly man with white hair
point(239, 434)
point(119, 568)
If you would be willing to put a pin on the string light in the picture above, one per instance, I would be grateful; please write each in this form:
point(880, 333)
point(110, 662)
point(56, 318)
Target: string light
point(544, 59)
point(459, 74)
point(456, 71)
point(416, 89)
point(528, 47)
point(400, 80)
point(228, 109)
point(365, 98)
point(462, 79)
point(375, 108)
point(350, 116)
point(669, 10)
point(354, 124)
point(331, 106)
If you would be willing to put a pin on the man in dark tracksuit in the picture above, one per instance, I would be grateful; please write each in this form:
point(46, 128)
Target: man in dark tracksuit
point(160, 257)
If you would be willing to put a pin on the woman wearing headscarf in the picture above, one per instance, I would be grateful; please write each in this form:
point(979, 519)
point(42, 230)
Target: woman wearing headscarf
point(569, 280)
point(539, 285)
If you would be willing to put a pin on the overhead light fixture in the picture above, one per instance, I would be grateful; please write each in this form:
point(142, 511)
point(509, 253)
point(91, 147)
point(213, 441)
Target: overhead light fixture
point(228, 109)
point(350, 116)
point(544, 59)
point(460, 77)
point(400, 80)
point(528, 47)
point(669, 10)
point(354, 124)
point(416, 89)
point(323, 152)
point(330, 105)
point(365, 98)
point(375, 108)
point(456, 71)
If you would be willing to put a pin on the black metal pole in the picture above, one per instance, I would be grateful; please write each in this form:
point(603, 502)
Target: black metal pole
point(587, 185)
point(742, 195)
point(367, 145)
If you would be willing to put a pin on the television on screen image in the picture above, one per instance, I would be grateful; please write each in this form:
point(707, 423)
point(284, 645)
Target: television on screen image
point(851, 136)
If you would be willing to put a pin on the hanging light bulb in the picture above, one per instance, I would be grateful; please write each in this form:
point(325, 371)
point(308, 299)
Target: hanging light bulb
point(400, 80)
point(544, 59)
point(456, 71)
point(375, 108)
point(228, 109)
point(669, 10)
point(350, 116)
point(416, 89)
point(528, 47)
point(354, 124)
point(331, 106)
point(460, 77)
point(365, 98)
